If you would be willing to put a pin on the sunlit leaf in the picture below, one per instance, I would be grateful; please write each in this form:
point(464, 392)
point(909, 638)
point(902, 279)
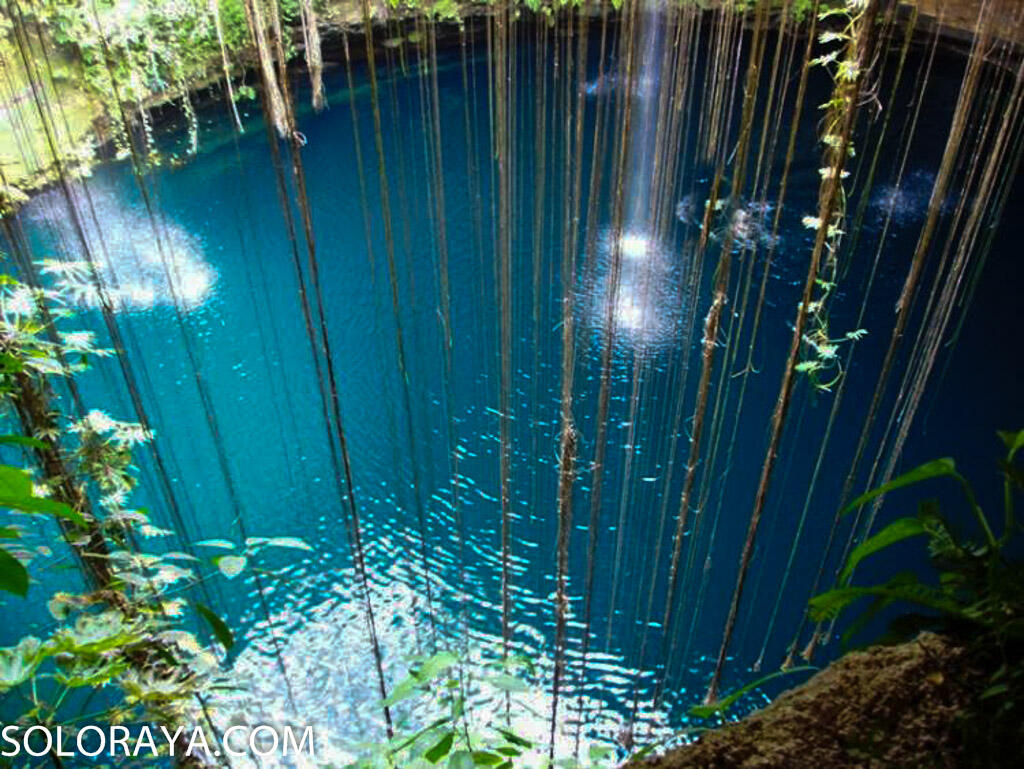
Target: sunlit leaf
point(92, 676)
point(463, 759)
point(514, 738)
point(231, 565)
point(18, 663)
point(290, 542)
point(403, 690)
point(434, 665)
point(223, 543)
point(600, 754)
point(399, 747)
point(97, 634)
point(176, 556)
point(481, 758)
point(16, 494)
point(508, 683)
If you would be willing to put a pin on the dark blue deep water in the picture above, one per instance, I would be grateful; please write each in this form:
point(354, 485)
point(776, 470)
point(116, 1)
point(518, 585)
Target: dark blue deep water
point(221, 215)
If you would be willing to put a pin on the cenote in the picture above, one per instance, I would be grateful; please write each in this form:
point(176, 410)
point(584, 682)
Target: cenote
point(552, 349)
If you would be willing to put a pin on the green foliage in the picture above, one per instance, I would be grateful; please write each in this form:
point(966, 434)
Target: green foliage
point(219, 628)
point(131, 52)
point(801, 9)
point(454, 711)
point(898, 530)
point(434, 692)
point(976, 580)
point(121, 57)
point(16, 493)
point(233, 24)
point(235, 562)
point(13, 576)
point(978, 597)
point(128, 632)
point(844, 29)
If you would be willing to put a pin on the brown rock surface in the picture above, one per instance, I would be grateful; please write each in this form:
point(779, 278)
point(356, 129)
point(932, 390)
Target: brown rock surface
point(886, 707)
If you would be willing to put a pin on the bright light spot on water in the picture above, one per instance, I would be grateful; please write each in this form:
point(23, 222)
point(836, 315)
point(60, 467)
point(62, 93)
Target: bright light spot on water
point(645, 304)
point(633, 246)
point(629, 312)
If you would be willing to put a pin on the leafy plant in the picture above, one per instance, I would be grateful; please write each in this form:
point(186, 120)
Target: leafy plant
point(125, 636)
point(848, 20)
point(978, 598)
point(236, 558)
point(460, 713)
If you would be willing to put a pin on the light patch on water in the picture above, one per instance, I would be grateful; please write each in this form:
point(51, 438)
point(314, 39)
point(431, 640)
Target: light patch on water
point(333, 679)
point(134, 263)
point(629, 312)
point(646, 305)
point(907, 202)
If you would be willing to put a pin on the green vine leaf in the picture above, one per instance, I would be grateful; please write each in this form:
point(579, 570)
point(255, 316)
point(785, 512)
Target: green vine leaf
point(16, 494)
point(508, 683)
point(463, 759)
point(18, 663)
point(289, 542)
point(1014, 440)
point(440, 749)
point(13, 575)
point(897, 531)
point(21, 440)
point(903, 587)
point(218, 627)
point(707, 711)
point(222, 543)
point(937, 468)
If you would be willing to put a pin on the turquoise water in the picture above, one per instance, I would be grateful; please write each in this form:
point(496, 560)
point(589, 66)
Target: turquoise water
point(221, 217)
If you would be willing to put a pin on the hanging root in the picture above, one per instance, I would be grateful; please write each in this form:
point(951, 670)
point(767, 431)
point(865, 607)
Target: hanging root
point(274, 101)
point(566, 475)
point(845, 110)
point(314, 60)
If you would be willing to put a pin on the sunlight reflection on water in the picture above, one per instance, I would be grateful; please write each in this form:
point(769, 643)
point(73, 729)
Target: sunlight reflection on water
point(327, 655)
point(140, 262)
